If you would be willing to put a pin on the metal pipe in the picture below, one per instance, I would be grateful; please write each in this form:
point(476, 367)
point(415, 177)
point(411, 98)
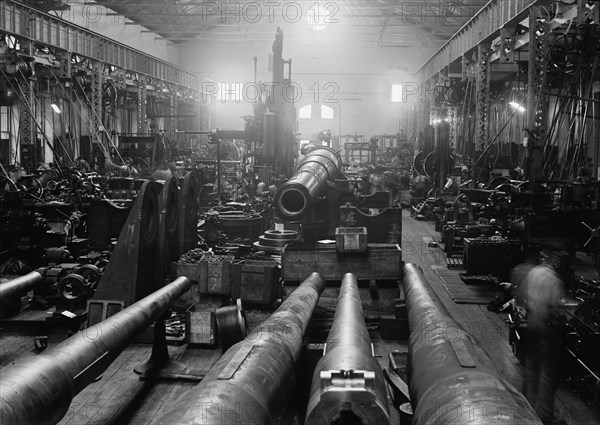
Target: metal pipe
point(39, 390)
point(252, 382)
point(348, 382)
point(451, 377)
point(19, 286)
point(295, 198)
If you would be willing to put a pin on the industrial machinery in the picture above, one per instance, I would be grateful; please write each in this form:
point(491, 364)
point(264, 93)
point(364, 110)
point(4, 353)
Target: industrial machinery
point(348, 381)
point(39, 390)
point(254, 379)
point(448, 370)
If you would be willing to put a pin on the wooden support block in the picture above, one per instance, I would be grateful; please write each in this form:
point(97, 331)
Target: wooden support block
point(200, 327)
point(380, 262)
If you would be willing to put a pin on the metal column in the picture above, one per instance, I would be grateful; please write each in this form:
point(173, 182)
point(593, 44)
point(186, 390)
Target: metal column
point(142, 118)
point(483, 96)
point(537, 101)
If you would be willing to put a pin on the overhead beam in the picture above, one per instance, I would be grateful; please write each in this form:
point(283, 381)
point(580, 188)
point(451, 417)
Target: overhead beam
point(482, 28)
point(29, 24)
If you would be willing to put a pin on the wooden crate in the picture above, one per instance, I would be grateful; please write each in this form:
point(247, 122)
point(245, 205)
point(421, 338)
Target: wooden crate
point(256, 282)
point(380, 262)
point(212, 277)
point(200, 327)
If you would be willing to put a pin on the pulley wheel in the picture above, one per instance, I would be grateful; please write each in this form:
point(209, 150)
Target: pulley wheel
point(73, 288)
point(89, 273)
point(30, 185)
point(231, 325)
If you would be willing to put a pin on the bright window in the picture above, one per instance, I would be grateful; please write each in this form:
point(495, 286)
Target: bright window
point(396, 93)
point(305, 112)
point(326, 112)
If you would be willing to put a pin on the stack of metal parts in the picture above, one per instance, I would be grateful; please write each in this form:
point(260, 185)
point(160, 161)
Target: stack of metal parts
point(274, 241)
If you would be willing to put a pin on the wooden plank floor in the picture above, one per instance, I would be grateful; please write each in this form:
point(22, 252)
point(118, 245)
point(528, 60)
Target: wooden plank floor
point(487, 327)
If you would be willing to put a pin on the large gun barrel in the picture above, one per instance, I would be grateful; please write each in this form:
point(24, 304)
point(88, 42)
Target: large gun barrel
point(19, 286)
point(39, 390)
point(451, 377)
point(295, 198)
point(252, 382)
point(348, 381)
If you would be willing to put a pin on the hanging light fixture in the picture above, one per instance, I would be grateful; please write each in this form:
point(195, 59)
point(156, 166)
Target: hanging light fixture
point(55, 108)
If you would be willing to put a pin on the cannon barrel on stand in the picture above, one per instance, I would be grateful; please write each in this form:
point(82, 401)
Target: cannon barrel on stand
point(295, 198)
point(348, 381)
point(19, 286)
point(253, 381)
point(38, 390)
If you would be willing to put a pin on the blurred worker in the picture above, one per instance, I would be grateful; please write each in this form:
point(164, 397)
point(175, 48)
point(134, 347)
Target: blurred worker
point(543, 291)
point(127, 170)
point(82, 165)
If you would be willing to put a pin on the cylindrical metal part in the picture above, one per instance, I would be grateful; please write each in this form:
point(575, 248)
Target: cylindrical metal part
point(295, 198)
point(451, 377)
point(348, 382)
point(39, 390)
point(19, 286)
point(270, 135)
point(252, 382)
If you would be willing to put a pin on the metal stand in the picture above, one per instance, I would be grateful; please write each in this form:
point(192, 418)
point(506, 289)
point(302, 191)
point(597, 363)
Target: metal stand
point(160, 366)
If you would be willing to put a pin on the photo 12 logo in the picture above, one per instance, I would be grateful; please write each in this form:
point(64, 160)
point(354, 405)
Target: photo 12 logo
point(270, 92)
point(271, 11)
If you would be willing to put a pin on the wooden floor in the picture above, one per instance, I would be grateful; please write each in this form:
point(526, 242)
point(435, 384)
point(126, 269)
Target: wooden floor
point(121, 398)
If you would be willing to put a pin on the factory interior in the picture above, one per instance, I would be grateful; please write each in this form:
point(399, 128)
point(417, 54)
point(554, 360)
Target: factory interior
point(360, 212)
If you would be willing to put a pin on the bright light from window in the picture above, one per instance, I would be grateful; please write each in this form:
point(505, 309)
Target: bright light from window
point(318, 17)
point(305, 112)
point(55, 108)
point(517, 106)
point(326, 112)
point(396, 93)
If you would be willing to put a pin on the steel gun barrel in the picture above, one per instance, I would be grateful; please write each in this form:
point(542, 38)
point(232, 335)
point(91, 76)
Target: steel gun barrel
point(19, 286)
point(451, 378)
point(252, 382)
point(348, 382)
point(39, 390)
point(295, 198)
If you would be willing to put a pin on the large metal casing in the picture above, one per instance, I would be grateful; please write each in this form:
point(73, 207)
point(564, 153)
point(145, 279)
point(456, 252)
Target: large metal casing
point(131, 272)
point(188, 212)
point(39, 389)
point(348, 377)
point(451, 378)
point(295, 198)
point(253, 380)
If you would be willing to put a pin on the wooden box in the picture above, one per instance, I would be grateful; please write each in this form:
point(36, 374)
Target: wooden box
point(351, 239)
point(200, 327)
point(213, 274)
point(256, 282)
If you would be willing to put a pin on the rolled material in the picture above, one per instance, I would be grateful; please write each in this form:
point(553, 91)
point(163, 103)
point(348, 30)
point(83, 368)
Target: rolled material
point(295, 198)
point(451, 378)
point(19, 286)
point(348, 381)
point(252, 382)
point(39, 390)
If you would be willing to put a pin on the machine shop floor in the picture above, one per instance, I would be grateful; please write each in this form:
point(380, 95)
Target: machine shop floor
point(121, 398)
